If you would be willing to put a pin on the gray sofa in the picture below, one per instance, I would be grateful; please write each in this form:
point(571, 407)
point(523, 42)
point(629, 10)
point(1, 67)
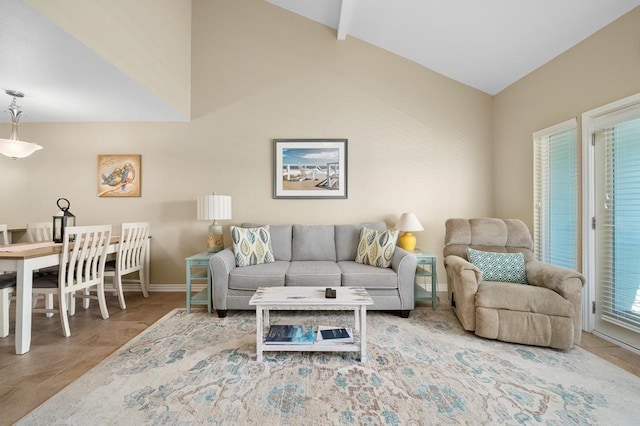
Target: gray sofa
point(314, 255)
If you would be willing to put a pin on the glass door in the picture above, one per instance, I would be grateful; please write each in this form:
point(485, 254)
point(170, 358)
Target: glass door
point(617, 231)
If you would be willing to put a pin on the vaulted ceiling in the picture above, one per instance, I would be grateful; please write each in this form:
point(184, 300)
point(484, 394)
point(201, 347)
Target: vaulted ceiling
point(486, 44)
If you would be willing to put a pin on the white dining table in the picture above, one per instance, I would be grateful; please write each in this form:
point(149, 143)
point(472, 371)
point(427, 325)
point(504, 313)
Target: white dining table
point(24, 258)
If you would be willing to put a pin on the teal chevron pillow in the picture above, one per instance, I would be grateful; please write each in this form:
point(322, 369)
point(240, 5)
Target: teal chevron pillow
point(252, 246)
point(376, 247)
point(506, 267)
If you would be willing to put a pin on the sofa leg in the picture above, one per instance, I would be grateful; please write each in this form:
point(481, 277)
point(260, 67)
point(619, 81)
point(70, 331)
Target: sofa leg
point(405, 313)
point(221, 313)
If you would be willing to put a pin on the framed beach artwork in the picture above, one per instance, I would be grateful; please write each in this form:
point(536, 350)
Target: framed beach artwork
point(310, 168)
point(119, 175)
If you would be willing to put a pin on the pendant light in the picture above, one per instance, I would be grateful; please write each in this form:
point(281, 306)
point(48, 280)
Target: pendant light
point(13, 147)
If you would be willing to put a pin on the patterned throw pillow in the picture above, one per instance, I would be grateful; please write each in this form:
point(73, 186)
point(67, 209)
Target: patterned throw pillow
point(252, 246)
point(376, 247)
point(506, 267)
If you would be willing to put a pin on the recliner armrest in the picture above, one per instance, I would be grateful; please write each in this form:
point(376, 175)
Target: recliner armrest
point(458, 265)
point(566, 282)
point(563, 281)
point(463, 279)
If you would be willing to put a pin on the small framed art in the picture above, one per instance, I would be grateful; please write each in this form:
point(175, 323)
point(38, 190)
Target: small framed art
point(119, 175)
point(310, 168)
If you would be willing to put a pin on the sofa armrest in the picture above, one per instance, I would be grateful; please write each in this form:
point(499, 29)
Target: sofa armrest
point(221, 265)
point(463, 279)
point(404, 263)
point(566, 282)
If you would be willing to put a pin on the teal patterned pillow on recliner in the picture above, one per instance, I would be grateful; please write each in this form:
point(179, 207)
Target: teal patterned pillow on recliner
point(506, 267)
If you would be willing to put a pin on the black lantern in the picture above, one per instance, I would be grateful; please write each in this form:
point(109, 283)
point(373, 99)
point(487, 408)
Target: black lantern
point(62, 219)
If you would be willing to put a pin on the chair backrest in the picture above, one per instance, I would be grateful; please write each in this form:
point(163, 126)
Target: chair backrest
point(4, 235)
point(40, 231)
point(487, 234)
point(84, 254)
point(131, 249)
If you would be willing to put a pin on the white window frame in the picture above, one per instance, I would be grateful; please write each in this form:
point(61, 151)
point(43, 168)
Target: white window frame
point(542, 137)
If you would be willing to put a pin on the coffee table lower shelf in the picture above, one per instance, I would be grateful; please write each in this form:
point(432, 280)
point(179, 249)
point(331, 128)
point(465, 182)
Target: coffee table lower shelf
point(313, 347)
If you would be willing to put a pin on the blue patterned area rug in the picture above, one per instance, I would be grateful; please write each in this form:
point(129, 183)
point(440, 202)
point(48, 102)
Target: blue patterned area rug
point(199, 369)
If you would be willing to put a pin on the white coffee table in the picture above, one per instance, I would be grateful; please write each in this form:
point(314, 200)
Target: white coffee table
point(307, 299)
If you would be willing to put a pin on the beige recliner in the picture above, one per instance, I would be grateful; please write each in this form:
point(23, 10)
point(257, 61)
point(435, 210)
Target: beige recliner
point(546, 312)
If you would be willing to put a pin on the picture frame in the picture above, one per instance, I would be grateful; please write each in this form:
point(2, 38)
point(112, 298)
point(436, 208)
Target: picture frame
point(310, 168)
point(119, 175)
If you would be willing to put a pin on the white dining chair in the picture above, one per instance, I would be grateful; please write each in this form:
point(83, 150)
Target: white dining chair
point(81, 267)
point(129, 259)
point(39, 231)
point(4, 235)
point(7, 288)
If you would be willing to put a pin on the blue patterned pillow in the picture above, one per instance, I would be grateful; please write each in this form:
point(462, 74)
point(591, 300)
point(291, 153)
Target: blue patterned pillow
point(506, 267)
point(252, 246)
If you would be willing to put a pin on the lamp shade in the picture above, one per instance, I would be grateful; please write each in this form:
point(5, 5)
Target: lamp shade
point(409, 223)
point(214, 207)
point(17, 149)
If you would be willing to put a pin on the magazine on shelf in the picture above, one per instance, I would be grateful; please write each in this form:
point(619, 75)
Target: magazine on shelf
point(290, 334)
point(331, 334)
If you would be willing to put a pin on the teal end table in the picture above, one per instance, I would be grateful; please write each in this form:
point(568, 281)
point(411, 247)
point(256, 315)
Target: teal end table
point(425, 268)
point(198, 271)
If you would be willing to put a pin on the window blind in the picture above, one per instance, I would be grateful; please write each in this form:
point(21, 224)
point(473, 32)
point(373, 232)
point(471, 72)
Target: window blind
point(620, 236)
point(556, 194)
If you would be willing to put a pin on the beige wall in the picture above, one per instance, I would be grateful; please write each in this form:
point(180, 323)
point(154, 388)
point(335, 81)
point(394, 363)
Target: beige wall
point(417, 141)
point(149, 40)
point(603, 68)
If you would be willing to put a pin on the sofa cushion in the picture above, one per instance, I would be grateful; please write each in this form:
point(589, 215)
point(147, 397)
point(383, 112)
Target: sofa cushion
point(252, 246)
point(523, 298)
point(313, 273)
point(313, 242)
point(281, 241)
point(506, 267)
point(376, 247)
point(367, 276)
point(348, 237)
point(252, 277)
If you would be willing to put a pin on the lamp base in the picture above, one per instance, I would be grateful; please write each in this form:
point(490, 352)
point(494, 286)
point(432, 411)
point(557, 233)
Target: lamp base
point(407, 241)
point(215, 240)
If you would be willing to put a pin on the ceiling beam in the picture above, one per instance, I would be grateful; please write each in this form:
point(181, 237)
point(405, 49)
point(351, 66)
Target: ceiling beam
point(346, 12)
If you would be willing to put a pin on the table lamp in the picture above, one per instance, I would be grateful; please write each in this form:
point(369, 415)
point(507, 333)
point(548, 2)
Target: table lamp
point(214, 207)
point(408, 223)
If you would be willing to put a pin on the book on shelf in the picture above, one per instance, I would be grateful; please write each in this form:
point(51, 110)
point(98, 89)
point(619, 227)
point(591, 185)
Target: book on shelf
point(328, 334)
point(290, 334)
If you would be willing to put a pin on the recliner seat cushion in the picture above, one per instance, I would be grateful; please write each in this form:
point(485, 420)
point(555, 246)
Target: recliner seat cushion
point(523, 298)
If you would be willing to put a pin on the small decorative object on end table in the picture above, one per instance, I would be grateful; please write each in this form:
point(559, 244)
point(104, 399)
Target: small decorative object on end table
point(198, 270)
point(420, 289)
